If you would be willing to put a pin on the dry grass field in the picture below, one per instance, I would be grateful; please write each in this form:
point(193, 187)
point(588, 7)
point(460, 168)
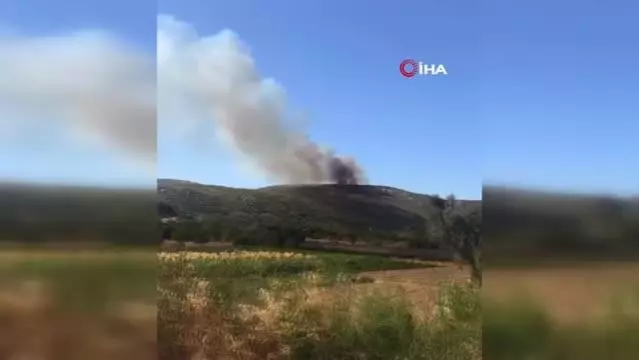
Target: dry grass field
point(270, 305)
point(569, 293)
point(423, 286)
point(578, 311)
point(77, 305)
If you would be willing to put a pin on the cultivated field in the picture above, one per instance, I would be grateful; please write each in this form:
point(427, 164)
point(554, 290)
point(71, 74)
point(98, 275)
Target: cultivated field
point(292, 305)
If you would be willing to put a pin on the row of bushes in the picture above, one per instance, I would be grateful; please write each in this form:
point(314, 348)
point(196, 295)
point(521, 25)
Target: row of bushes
point(200, 232)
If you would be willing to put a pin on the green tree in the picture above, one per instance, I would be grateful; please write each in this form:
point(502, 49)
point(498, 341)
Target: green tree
point(462, 231)
point(190, 231)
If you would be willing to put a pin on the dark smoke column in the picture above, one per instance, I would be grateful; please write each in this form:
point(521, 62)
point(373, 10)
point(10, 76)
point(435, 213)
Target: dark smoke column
point(345, 172)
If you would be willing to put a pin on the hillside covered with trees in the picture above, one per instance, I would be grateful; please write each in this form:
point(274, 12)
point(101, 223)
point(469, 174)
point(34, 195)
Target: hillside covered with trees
point(524, 224)
point(45, 213)
point(363, 213)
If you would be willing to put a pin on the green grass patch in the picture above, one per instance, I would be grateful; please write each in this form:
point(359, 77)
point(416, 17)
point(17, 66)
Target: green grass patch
point(350, 264)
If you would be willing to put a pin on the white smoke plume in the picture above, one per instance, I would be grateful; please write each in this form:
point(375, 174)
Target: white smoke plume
point(89, 82)
point(219, 75)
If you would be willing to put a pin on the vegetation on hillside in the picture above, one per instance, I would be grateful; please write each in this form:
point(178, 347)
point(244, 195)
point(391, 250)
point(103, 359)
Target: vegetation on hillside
point(532, 225)
point(519, 224)
point(281, 215)
point(32, 214)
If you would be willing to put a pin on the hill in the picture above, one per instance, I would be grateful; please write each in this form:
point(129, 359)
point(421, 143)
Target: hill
point(364, 212)
point(536, 224)
point(518, 223)
point(33, 213)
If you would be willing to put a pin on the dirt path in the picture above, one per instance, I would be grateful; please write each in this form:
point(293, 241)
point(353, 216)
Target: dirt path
point(431, 276)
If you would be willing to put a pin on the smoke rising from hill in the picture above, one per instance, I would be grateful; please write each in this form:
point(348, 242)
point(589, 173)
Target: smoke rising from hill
point(218, 74)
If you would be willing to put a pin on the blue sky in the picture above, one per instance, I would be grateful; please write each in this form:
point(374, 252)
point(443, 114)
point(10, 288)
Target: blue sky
point(134, 20)
point(560, 94)
point(539, 94)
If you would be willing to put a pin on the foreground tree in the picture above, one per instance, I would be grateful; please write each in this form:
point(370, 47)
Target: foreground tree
point(462, 231)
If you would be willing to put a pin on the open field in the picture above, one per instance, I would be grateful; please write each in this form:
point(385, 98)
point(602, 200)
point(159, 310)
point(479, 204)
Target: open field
point(581, 311)
point(570, 293)
point(77, 305)
point(279, 305)
point(309, 305)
